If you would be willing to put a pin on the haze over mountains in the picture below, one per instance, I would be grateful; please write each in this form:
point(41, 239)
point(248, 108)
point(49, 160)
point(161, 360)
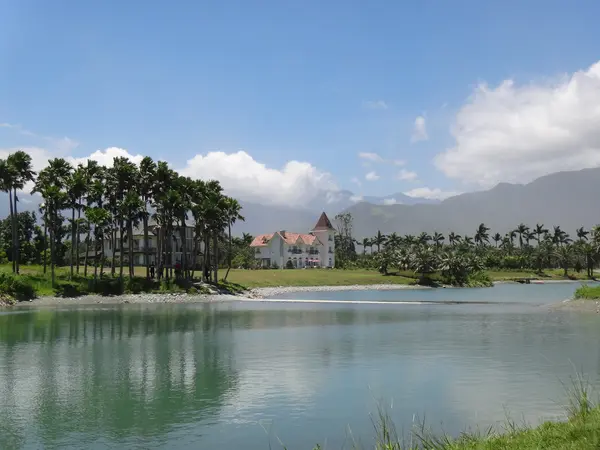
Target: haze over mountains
point(569, 199)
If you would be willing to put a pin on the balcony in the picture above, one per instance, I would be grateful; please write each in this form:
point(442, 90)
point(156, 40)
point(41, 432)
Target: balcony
point(295, 251)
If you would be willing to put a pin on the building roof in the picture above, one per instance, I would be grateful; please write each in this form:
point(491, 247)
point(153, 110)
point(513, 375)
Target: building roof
point(323, 223)
point(262, 240)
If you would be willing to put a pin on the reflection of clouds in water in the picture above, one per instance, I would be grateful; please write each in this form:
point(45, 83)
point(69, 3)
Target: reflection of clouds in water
point(271, 378)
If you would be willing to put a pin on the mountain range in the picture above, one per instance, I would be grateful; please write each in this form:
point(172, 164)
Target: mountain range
point(568, 199)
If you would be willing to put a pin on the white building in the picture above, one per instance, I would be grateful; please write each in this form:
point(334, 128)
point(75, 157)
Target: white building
point(315, 249)
point(153, 236)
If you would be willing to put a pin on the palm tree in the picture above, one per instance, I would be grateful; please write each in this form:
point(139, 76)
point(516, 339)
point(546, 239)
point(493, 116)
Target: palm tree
point(20, 163)
point(438, 239)
point(123, 175)
point(50, 184)
point(76, 186)
point(521, 230)
point(497, 238)
point(379, 240)
point(365, 243)
point(539, 230)
point(582, 234)
point(232, 213)
point(146, 180)
point(423, 238)
point(393, 241)
point(481, 235)
point(94, 179)
point(453, 238)
point(131, 211)
point(7, 180)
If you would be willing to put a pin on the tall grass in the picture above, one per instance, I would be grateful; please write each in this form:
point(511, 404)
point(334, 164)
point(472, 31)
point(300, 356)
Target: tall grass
point(581, 431)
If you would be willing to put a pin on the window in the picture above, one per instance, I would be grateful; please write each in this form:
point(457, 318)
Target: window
point(330, 238)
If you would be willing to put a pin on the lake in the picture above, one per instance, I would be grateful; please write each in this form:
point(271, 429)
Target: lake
point(242, 374)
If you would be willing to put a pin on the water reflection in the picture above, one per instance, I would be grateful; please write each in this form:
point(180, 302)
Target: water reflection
point(206, 376)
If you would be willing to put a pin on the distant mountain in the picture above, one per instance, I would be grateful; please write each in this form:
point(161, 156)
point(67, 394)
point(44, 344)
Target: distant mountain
point(568, 199)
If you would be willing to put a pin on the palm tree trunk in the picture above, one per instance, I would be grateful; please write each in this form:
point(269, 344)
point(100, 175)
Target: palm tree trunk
point(102, 255)
point(229, 253)
point(194, 258)
point(113, 238)
point(16, 231)
point(130, 233)
point(45, 241)
point(121, 248)
point(52, 250)
point(78, 237)
point(12, 231)
point(184, 249)
point(146, 250)
point(87, 245)
point(96, 245)
point(72, 240)
point(216, 252)
point(206, 269)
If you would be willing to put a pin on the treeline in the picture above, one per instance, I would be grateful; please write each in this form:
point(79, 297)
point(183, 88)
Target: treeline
point(96, 204)
point(533, 248)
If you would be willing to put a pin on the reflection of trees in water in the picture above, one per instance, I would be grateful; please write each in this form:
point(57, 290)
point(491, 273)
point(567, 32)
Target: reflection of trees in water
point(118, 373)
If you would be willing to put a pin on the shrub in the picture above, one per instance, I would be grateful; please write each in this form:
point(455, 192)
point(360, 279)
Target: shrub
point(106, 286)
point(14, 287)
point(68, 289)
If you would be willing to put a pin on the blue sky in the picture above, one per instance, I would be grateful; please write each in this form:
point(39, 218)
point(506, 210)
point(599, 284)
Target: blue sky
point(316, 82)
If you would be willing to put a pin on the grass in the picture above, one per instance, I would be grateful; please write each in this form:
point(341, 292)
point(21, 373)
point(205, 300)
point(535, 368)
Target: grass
point(588, 292)
point(581, 431)
point(312, 277)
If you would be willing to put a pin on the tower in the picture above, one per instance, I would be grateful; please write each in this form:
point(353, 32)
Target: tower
point(325, 232)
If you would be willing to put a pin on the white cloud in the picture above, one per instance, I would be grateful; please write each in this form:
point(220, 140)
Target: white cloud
point(356, 198)
point(374, 157)
point(106, 157)
point(389, 201)
point(419, 130)
point(425, 192)
point(372, 176)
point(297, 183)
point(407, 175)
point(356, 181)
point(516, 133)
point(399, 162)
point(376, 104)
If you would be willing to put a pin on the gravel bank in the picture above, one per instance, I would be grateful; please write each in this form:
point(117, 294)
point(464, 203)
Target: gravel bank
point(579, 305)
point(87, 300)
point(274, 291)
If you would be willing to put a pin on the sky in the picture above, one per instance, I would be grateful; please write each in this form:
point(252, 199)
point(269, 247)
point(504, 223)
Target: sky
point(284, 102)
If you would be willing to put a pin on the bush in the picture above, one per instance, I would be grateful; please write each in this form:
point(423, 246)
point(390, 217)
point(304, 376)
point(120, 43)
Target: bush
point(138, 285)
point(16, 288)
point(106, 286)
point(479, 279)
point(68, 289)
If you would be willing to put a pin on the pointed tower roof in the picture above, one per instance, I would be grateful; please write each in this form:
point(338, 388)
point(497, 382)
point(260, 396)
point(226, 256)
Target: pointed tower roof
point(323, 223)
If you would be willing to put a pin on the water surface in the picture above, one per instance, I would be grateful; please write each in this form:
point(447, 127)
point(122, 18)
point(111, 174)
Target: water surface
point(238, 375)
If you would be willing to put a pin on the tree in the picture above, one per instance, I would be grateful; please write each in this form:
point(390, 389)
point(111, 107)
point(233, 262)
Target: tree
point(393, 241)
point(521, 230)
point(482, 236)
point(453, 238)
point(564, 255)
point(539, 231)
point(146, 180)
point(497, 238)
point(22, 172)
point(232, 214)
point(379, 240)
point(582, 234)
point(76, 187)
point(438, 239)
point(50, 184)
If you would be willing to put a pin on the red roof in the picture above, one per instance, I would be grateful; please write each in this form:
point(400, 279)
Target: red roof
point(262, 240)
point(323, 223)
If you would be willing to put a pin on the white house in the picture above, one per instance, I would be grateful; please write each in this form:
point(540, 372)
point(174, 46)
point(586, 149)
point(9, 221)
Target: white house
point(314, 249)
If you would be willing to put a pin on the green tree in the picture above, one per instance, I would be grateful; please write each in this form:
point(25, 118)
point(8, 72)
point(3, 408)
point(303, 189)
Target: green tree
point(232, 214)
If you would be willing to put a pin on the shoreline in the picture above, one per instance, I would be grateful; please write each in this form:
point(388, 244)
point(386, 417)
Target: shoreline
point(264, 292)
